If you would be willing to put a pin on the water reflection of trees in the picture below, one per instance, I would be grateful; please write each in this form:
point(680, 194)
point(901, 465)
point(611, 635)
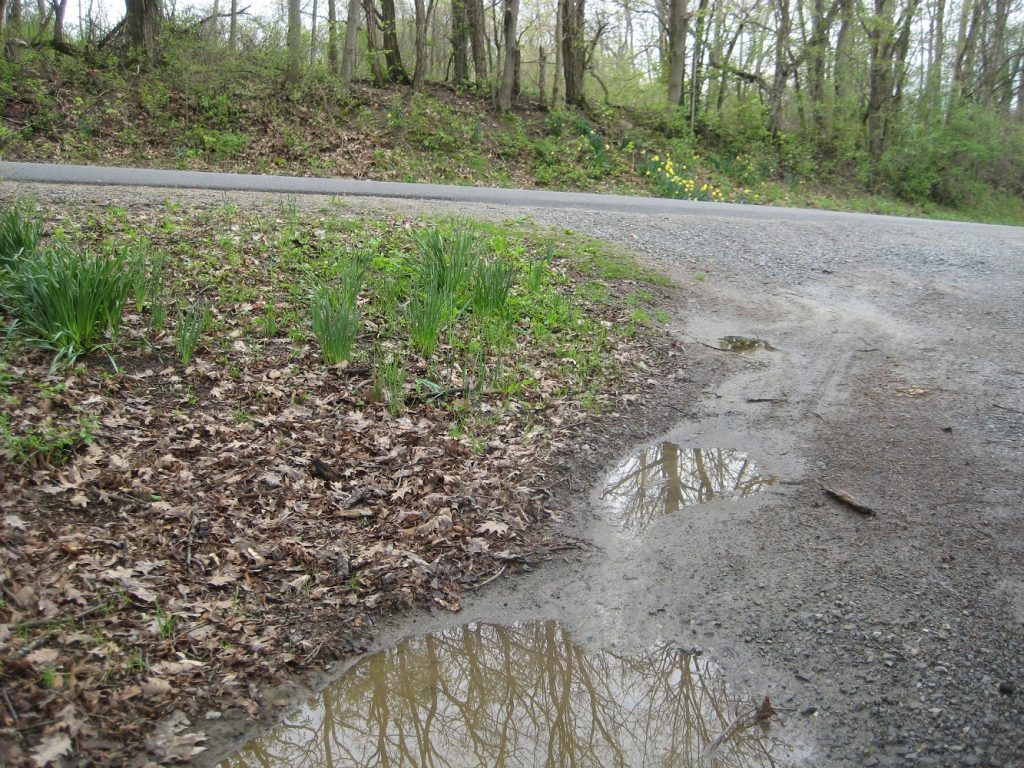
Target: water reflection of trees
point(525, 695)
point(663, 478)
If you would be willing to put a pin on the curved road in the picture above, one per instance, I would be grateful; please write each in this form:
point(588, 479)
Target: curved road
point(894, 640)
point(301, 185)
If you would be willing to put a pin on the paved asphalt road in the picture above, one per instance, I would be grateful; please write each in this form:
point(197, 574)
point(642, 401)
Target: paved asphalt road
point(300, 185)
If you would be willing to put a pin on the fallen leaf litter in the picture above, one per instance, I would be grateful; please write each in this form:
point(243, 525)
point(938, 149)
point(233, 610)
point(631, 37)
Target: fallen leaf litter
point(184, 556)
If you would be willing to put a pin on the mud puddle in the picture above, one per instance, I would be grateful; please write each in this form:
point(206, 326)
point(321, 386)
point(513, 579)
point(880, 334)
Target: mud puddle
point(665, 478)
point(745, 344)
point(523, 694)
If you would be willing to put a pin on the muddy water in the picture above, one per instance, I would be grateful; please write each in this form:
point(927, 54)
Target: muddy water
point(519, 695)
point(745, 344)
point(664, 478)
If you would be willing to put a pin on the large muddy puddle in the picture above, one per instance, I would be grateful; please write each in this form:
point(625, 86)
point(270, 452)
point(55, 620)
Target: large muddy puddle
point(521, 695)
point(664, 478)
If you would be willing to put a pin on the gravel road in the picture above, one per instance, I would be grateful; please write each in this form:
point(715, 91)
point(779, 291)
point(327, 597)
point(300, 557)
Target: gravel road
point(896, 639)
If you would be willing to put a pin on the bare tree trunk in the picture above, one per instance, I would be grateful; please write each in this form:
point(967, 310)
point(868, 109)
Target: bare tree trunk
point(60, 8)
point(142, 20)
point(460, 42)
point(478, 39)
point(508, 75)
point(294, 41)
point(783, 29)
point(821, 30)
point(332, 34)
point(844, 51)
point(312, 36)
point(3, 15)
point(556, 94)
point(392, 51)
point(373, 43)
point(963, 69)
point(15, 18)
point(233, 29)
point(696, 83)
point(420, 42)
point(933, 87)
point(678, 22)
point(574, 52)
point(348, 54)
point(542, 76)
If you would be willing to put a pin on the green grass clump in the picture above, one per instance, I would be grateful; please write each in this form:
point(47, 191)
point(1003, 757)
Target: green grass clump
point(446, 259)
point(19, 234)
point(336, 319)
point(492, 283)
point(430, 310)
point(66, 300)
point(192, 324)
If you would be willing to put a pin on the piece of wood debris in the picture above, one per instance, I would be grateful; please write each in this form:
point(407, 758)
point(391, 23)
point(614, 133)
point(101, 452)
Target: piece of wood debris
point(845, 498)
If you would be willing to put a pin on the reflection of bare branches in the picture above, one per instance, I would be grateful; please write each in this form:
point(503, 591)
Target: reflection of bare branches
point(664, 478)
point(523, 695)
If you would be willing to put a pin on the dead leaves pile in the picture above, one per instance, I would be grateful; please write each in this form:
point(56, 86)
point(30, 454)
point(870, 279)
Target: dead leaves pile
point(223, 531)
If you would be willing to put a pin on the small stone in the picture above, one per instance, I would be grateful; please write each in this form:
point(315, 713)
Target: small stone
point(1007, 688)
point(213, 714)
point(809, 711)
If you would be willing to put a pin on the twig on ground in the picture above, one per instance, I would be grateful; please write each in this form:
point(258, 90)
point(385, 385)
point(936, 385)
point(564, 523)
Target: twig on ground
point(1006, 408)
point(845, 498)
point(10, 705)
point(489, 580)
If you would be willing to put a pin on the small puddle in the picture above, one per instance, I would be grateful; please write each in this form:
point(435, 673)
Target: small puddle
point(519, 695)
point(665, 478)
point(744, 344)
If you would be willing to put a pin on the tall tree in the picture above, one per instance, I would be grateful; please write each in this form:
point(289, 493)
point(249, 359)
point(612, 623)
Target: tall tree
point(294, 41)
point(888, 45)
point(476, 21)
point(374, 46)
point(392, 51)
point(556, 93)
point(508, 75)
point(574, 50)
point(348, 54)
point(678, 23)
point(460, 43)
point(332, 34)
point(142, 22)
point(419, 73)
point(233, 27)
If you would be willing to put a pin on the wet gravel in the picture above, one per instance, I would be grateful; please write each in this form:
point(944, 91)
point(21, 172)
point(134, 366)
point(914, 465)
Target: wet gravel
point(886, 641)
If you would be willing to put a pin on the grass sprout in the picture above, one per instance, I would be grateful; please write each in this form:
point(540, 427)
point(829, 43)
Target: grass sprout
point(192, 324)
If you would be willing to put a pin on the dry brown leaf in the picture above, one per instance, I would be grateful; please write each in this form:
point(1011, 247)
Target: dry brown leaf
point(51, 749)
point(493, 527)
